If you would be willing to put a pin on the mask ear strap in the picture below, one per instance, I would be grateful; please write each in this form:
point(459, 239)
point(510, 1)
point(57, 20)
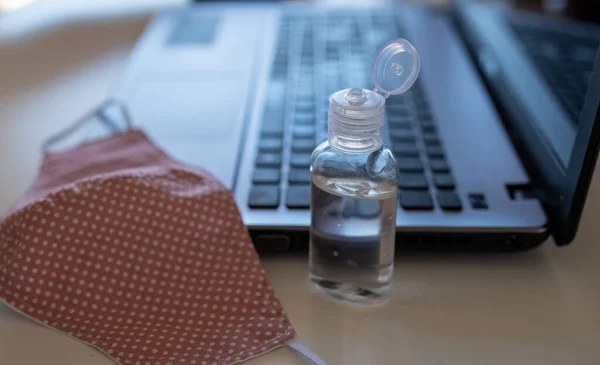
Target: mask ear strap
point(99, 113)
point(304, 351)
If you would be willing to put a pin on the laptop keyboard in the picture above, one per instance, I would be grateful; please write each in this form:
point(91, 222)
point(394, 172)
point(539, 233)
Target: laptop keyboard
point(564, 60)
point(317, 55)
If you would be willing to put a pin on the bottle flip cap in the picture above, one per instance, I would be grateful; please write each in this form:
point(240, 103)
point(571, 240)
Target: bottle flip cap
point(395, 67)
point(356, 113)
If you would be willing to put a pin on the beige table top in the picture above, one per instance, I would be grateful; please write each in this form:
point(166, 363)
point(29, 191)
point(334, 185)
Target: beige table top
point(541, 307)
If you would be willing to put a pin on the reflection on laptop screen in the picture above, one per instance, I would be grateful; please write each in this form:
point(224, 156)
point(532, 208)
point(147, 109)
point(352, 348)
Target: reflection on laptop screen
point(562, 54)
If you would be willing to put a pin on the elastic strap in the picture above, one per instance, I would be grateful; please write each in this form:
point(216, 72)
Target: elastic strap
point(99, 113)
point(304, 351)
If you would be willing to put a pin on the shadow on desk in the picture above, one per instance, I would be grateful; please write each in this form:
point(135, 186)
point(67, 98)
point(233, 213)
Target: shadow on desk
point(472, 297)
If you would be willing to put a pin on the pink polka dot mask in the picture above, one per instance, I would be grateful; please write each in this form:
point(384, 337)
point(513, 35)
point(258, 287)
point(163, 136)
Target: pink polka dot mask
point(144, 258)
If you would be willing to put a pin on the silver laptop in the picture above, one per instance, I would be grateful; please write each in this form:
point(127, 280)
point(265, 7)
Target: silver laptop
point(241, 90)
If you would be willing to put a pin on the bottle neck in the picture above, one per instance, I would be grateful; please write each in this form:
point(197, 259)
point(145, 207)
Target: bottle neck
point(355, 120)
point(365, 141)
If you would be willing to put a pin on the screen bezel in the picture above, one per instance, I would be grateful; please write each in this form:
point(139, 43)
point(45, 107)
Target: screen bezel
point(575, 185)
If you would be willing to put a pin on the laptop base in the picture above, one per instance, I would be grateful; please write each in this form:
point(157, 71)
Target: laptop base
point(269, 241)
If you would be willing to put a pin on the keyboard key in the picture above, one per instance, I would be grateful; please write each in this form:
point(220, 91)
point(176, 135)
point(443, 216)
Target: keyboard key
point(449, 200)
point(305, 97)
point(299, 176)
point(435, 152)
point(304, 84)
point(424, 118)
point(304, 119)
point(270, 145)
point(395, 100)
point(279, 71)
point(424, 114)
point(273, 113)
point(305, 107)
point(431, 140)
point(413, 181)
point(265, 175)
point(478, 201)
point(397, 110)
point(300, 160)
point(439, 165)
point(421, 104)
point(415, 199)
point(409, 164)
point(272, 128)
point(398, 118)
point(399, 124)
point(402, 135)
point(268, 160)
point(405, 150)
point(264, 196)
point(368, 208)
point(443, 181)
point(298, 197)
point(428, 128)
point(304, 131)
point(303, 145)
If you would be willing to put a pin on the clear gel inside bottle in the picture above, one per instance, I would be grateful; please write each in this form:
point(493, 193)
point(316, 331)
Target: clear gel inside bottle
point(355, 186)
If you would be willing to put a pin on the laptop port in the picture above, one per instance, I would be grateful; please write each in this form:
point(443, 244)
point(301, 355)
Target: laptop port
point(464, 241)
point(411, 240)
point(446, 240)
point(272, 242)
point(521, 191)
point(515, 242)
point(430, 240)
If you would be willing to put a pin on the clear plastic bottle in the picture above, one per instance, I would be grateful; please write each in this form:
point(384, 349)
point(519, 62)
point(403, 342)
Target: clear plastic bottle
point(355, 186)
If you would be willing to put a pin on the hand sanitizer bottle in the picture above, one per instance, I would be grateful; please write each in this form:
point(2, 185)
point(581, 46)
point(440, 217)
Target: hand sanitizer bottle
point(355, 186)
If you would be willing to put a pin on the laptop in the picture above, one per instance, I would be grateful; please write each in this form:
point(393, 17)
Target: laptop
point(496, 142)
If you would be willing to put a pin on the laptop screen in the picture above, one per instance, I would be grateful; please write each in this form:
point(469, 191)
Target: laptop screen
point(565, 134)
point(579, 172)
point(548, 89)
point(562, 62)
point(566, 56)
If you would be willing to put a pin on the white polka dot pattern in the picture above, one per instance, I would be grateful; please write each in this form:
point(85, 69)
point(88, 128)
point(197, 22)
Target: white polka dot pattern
point(151, 265)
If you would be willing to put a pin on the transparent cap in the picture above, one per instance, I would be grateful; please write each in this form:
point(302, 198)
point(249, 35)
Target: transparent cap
point(395, 67)
point(356, 116)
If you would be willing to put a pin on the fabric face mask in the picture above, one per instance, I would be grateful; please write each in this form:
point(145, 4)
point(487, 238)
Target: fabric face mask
point(142, 257)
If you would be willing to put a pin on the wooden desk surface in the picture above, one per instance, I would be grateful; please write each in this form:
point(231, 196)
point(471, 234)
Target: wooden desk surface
point(541, 307)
